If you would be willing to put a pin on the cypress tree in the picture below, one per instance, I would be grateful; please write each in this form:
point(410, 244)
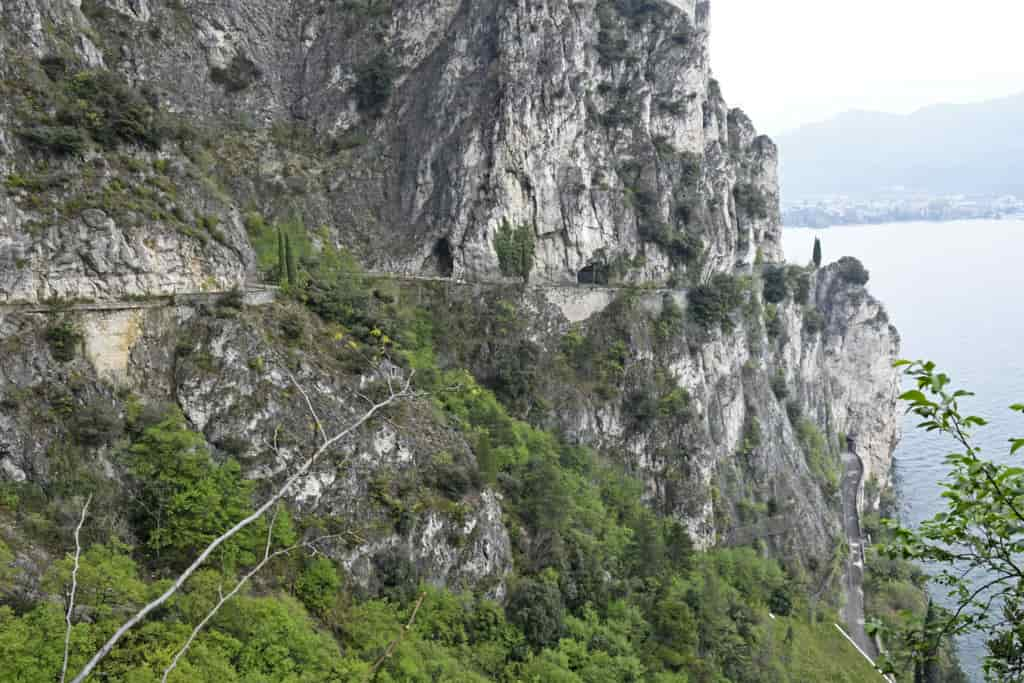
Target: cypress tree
point(282, 275)
point(817, 253)
point(289, 259)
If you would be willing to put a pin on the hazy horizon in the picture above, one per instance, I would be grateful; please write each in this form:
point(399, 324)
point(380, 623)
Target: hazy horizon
point(798, 62)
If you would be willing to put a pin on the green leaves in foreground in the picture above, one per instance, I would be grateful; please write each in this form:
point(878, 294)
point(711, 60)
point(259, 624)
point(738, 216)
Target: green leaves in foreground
point(976, 543)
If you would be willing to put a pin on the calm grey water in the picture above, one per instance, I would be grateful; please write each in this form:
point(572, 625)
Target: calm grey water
point(955, 291)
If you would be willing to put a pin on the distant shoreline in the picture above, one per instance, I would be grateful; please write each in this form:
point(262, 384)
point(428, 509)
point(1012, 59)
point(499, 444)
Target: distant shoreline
point(1012, 218)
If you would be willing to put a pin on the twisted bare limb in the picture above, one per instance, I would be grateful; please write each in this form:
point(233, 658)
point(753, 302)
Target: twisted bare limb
point(392, 398)
point(74, 589)
point(393, 645)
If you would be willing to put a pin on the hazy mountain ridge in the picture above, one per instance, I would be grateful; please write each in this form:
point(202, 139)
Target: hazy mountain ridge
point(974, 149)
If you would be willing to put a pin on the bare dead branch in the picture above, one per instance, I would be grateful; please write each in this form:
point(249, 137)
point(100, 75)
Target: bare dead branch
point(309, 405)
point(393, 645)
point(267, 558)
point(392, 398)
point(74, 589)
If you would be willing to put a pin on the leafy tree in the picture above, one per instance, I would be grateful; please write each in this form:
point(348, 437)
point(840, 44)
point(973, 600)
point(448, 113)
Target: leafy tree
point(289, 259)
point(515, 246)
point(282, 258)
point(977, 542)
point(375, 81)
point(318, 585)
point(183, 499)
point(536, 608)
point(817, 253)
point(853, 271)
point(775, 287)
point(714, 303)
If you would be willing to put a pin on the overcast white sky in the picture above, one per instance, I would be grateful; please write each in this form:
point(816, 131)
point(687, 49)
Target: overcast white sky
point(791, 62)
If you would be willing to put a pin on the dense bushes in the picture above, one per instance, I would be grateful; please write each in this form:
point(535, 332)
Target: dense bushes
point(375, 81)
point(751, 200)
point(91, 105)
point(775, 287)
point(714, 303)
point(515, 246)
point(64, 339)
point(851, 270)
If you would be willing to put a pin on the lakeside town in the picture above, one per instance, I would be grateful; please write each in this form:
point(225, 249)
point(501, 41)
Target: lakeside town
point(822, 212)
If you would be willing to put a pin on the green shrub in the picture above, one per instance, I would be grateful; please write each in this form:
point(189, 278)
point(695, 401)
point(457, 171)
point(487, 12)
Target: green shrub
point(112, 112)
point(516, 248)
point(375, 81)
point(751, 200)
point(820, 461)
point(852, 271)
point(55, 140)
point(801, 285)
point(779, 386)
point(318, 585)
point(714, 303)
point(775, 287)
point(814, 321)
point(64, 340)
point(536, 608)
point(97, 424)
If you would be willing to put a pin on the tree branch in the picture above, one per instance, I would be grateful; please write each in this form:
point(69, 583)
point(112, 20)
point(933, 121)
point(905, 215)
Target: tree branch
point(267, 558)
point(393, 645)
point(393, 397)
point(74, 589)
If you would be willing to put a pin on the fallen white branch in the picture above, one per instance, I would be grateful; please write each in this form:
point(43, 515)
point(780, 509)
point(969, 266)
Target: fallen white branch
point(393, 397)
point(74, 589)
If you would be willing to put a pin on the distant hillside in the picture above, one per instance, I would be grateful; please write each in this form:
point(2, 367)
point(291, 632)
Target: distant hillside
point(970, 149)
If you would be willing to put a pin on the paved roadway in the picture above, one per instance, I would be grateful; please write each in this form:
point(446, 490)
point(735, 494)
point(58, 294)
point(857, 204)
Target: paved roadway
point(853, 610)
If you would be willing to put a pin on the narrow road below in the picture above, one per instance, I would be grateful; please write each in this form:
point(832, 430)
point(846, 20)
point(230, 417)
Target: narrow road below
point(853, 581)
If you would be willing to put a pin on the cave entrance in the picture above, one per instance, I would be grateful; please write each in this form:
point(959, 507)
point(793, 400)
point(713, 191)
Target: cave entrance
point(443, 257)
point(592, 274)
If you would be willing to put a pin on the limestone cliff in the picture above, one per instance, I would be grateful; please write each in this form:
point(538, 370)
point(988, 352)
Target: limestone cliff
point(145, 142)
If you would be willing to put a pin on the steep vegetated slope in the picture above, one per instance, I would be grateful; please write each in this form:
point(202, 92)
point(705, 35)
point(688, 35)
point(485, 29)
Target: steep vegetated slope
point(570, 448)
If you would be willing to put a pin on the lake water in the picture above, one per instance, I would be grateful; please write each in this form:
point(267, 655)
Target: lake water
point(955, 291)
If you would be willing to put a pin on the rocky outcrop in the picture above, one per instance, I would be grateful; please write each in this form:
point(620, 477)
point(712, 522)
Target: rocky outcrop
point(432, 137)
point(596, 125)
point(385, 488)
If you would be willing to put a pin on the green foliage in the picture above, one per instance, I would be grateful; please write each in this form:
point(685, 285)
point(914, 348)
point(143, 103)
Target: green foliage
point(289, 261)
point(183, 500)
point(775, 287)
point(375, 81)
point(816, 257)
point(97, 424)
point(318, 585)
point(751, 200)
point(801, 285)
point(516, 248)
point(822, 463)
point(814, 321)
point(64, 340)
point(851, 270)
point(536, 609)
point(88, 106)
point(713, 304)
point(56, 140)
point(779, 386)
point(976, 543)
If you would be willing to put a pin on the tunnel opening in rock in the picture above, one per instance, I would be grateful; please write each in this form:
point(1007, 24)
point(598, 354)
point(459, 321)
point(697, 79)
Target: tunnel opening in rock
point(592, 274)
point(443, 257)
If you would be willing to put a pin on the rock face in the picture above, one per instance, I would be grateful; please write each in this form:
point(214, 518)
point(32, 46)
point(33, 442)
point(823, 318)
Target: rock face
point(596, 124)
point(143, 143)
